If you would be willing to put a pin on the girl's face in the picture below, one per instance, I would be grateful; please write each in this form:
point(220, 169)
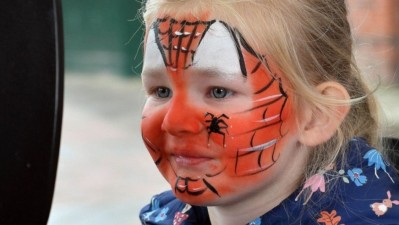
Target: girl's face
point(216, 117)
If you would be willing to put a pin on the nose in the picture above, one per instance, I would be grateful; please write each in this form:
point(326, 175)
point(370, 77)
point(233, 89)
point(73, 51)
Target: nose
point(182, 118)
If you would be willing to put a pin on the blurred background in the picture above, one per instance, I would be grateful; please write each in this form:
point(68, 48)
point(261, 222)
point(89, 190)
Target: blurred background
point(104, 173)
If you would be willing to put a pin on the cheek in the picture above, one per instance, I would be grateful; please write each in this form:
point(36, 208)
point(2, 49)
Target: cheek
point(151, 131)
point(151, 120)
point(251, 149)
point(257, 133)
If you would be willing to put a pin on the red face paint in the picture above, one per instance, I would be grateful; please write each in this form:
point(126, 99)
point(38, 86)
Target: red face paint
point(216, 116)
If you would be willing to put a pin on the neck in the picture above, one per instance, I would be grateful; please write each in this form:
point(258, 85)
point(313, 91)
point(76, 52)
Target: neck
point(256, 204)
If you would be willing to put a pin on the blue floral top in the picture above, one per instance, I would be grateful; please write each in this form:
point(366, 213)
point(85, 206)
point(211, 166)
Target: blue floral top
point(365, 192)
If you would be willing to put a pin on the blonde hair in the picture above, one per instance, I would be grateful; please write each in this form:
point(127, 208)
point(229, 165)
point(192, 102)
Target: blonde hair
point(310, 41)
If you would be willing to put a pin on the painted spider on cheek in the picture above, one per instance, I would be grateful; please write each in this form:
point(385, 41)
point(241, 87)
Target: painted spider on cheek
point(216, 124)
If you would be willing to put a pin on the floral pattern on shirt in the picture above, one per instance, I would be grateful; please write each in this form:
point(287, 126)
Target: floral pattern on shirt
point(329, 218)
point(356, 176)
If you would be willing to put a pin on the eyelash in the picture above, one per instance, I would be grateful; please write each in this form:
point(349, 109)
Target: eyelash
point(156, 91)
point(223, 92)
point(162, 92)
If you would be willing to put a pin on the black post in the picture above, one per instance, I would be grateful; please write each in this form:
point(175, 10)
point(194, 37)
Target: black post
point(31, 99)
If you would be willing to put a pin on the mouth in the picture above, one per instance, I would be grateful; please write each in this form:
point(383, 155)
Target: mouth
point(190, 161)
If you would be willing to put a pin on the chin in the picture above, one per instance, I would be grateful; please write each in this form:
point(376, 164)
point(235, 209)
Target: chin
point(200, 200)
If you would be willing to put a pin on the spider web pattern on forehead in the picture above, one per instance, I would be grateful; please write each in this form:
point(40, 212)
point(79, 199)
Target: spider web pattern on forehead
point(178, 40)
point(240, 43)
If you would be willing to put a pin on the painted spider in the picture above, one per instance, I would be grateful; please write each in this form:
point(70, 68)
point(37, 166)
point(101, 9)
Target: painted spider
point(216, 124)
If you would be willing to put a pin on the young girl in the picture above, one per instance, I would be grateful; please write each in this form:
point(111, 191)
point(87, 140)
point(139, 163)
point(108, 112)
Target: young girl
point(256, 114)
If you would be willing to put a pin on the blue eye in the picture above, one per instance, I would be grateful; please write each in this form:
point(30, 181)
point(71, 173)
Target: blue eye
point(219, 92)
point(163, 92)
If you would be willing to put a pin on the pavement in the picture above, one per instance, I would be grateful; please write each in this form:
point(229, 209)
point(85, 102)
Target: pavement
point(105, 174)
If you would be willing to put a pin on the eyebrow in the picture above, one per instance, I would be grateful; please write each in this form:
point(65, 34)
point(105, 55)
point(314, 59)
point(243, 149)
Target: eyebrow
point(207, 72)
point(153, 72)
point(215, 72)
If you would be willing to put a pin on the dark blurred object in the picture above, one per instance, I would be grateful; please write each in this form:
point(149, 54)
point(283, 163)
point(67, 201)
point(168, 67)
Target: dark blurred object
point(31, 97)
point(392, 146)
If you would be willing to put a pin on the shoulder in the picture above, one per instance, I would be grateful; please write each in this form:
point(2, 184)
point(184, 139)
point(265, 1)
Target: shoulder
point(161, 209)
point(166, 209)
point(364, 190)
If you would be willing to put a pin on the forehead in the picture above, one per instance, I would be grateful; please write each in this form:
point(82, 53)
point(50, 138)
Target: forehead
point(215, 49)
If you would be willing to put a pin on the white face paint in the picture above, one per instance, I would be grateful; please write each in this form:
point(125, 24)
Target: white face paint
point(152, 59)
point(218, 44)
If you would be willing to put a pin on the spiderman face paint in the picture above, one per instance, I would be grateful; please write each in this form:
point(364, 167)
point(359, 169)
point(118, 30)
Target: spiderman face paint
point(214, 120)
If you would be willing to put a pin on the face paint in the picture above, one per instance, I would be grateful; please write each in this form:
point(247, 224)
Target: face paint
point(213, 120)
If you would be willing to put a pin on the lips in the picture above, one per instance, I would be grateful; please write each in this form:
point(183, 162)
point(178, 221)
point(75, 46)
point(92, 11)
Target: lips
point(193, 157)
point(190, 161)
point(189, 155)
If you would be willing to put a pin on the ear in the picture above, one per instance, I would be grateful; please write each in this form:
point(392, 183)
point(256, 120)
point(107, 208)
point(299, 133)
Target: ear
point(395, 202)
point(318, 125)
